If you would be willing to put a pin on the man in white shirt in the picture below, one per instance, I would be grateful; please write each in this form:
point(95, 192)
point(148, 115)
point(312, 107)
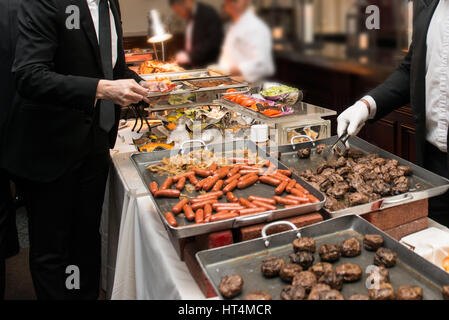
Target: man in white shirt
point(423, 81)
point(247, 50)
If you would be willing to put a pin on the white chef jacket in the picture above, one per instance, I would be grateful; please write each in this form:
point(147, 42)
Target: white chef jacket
point(94, 11)
point(437, 78)
point(248, 45)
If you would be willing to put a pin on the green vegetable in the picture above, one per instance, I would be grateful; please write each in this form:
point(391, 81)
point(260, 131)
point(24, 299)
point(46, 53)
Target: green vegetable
point(275, 91)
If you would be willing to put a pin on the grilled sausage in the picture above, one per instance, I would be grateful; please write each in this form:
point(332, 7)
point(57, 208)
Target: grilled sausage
point(280, 177)
point(167, 184)
point(281, 188)
point(201, 172)
point(230, 209)
point(265, 205)
point(247, 182)
point(267, 200)
point(271, 169)
point(181, 183)
point(188, 211)
point(225, 215)
point(186, 175)
point(154, 187)
point(200, 184)
point(242, 160)
point(178, 207)
point(168, 193)
point(234, 177)
point(286, 201)
point(199, 216)
point(210, 183)
point(223, 172)
point(192, 178)
point(230, 187)
point(231, 197)
point(297, 193)
point(312, 198)
point(246, 203)
point(249, 211)
point(287, 173)
point(170, 219)
point(254, 171)
point(234, 171)
point(207, 212)
point(200, 205)
point(218, 185)
point(224, 204)
point(270, 180)
point(211, 197)
point(290, 185)
point(213, 167)
point(218, 194)
point(301, 188)
point(299, 199)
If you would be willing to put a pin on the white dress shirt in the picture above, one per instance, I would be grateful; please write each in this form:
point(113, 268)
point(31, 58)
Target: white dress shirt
point(437, 78)
point(189, 31)
point(248, 46)
point(94, 11)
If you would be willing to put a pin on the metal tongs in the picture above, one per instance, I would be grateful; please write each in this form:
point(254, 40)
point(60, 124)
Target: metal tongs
point(338, 147)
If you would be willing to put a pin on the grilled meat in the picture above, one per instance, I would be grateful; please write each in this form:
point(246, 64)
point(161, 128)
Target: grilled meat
point(288, 271)
point(329, 253)
point(384, 292)
point(320, 268)
point(303, 258)
point(350, 272)
point(320, 148)
point(358, 297)
point(409, 293)
point(351, 248)
point(304, 244)
point(305, 279)
point(385, 257)
point(372, 242)
point(258, 295)
point(318, 290)
point(304, 153)
point(231, 286)
point(293, 293)
point(272, 266)
point(357, 199)
point(332, 279)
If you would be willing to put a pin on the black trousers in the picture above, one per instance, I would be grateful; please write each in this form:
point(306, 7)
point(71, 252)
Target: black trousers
point(64, 228)
point(9, 244)
point(437, 162)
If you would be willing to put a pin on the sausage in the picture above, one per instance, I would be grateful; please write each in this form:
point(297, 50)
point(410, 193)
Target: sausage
point(200, 184)
point(270, 170)
point(299, 199)
point(270, 180)
point(247, 182)
point(281, 188)
point(224, 204)
point(231, 209)
point(297, 193)
point(246, 176)
point(186, 175)
point(230, 187)
point(192, 178)
point(188, 211)
point(245, 212)
point(167, 184)
point(218, 194)
point(154, 187)
point(267, 200)
point(234, 177)
point(201, 172)
point(301, 188)
point(249, 168)
point(234, 171)
point(290, 185)
point(246, 203)
point(280, 177)
point(200, 205)
point(265, 205)
point(225, 215)
point(170, 219)
point(199, 216)
point(286, 201)
point(168, 193)
point(207, 212)
point(213, 167)
point(181, 183)
point(254, 171)
point(218, 185)
point(211, 182)
point(212, 197)
point(312, 198)
point(178, 207)
point(287, 173)
point(242, 160)
point(231, 197)
point(223, 172)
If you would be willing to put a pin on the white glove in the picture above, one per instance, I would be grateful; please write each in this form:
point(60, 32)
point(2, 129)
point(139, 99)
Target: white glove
point(353, 119)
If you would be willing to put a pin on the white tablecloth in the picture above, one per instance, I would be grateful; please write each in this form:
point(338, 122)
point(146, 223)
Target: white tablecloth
point(139, 261)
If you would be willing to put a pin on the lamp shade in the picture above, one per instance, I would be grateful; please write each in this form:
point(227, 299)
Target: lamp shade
point(157, 32)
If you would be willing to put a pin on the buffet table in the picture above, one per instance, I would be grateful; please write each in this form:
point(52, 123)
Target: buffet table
point(139, 260)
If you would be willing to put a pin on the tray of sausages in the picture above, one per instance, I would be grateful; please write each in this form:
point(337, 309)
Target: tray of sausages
point(223, 187)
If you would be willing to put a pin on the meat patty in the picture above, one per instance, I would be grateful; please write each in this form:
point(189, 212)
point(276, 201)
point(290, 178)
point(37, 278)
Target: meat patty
point(305, 279)
point(320, 148)
point(304, 244)
point(288, 271)
point(358, 297)
point(350, 272)
point(303, 258)
point(317, 290)
point(329, 253)
point(293, 293)
point(321, 268)
point(332, 279)
point(385, 257)
point(231, 286)
point(409, 293)
point(257, 295)
point(272, 266)
point(304, 153)
point(351, 248)
point(379, 275)
point(372, 242)
point(384, 292)
point(331, 295)
point(445, 292)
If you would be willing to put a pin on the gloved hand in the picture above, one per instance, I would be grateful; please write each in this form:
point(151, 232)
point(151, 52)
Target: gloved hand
point(353, 119)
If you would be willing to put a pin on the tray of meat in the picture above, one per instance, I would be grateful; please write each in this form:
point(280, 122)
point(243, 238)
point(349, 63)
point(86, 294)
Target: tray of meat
point(344, 258)
point(363, 179)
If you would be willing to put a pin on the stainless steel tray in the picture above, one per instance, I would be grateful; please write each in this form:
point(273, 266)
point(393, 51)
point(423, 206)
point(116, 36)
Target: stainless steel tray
point(187, 229)
point(182, 75)
point(423, 183)
point(245, 259)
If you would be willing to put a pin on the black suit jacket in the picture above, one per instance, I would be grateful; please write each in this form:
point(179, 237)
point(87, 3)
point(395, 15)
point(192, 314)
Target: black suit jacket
point(56, 71)
point(408, 83)
point(207, 36)
point(8, 34)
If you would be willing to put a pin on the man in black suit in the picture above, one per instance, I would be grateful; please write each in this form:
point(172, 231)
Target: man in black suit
point(203, 36)
point(8, 34)
point(71, 80)
point(422, 80)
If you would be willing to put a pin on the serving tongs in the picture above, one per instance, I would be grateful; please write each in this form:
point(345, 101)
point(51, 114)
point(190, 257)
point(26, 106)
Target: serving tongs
point(337, 148)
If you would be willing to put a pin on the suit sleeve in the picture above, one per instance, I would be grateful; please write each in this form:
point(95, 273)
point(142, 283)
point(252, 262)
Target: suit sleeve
point(33, 68)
